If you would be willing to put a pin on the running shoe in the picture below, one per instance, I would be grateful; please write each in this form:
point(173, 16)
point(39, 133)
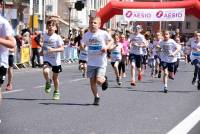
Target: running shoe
point(56, 95)
point(198, 86)
point(133, 83)
point(165, 90)
point(9, 87)
point(105, 84)
point(124, 75)
point(159, 75)
point(48, 87)
point(193, 81)
point(96, 101)
point(140, 76)
point(118, 81)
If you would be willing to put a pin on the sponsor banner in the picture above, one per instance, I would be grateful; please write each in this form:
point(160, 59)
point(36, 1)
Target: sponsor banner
point(176, 14)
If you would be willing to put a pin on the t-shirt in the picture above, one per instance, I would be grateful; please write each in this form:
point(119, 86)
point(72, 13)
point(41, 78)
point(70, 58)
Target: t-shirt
point(94, 43)
point(167, 48)
point(116, 54)
point(125, 47)
point(53, 41)
point(137, 40)
point(5, 30)
point(195, 54)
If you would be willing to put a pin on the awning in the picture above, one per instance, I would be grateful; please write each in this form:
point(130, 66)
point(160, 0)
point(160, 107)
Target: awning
point(63, 21)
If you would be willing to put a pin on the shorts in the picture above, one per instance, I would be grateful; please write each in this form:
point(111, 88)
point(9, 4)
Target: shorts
point(137, 59)
point(11, 60)
point(93, 71)
point(144, 59)
point(169, 66)
point(55, 69)
point(82, 61)
point(113, 63)
point(3, 72)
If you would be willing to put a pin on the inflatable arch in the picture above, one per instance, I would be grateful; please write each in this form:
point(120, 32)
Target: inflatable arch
point(116, 7)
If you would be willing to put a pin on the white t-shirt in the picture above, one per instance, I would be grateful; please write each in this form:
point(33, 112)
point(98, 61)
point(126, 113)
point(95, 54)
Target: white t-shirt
point(156, 50)
point(5, 30)
point(167, 48)
point(195, 54)
point(137, 40)
point(53, 41)
point(116, 54)
point(94, 43)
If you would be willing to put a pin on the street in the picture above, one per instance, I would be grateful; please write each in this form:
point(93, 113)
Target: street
point(143, 109)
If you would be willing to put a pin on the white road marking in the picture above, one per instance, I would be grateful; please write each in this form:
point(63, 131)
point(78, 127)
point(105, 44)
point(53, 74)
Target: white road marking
point(187, 124)
point(13, 91)
point(75, 80)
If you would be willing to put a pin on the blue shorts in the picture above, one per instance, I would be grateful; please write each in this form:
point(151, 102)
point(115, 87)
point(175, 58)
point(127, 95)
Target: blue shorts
point(93, 71)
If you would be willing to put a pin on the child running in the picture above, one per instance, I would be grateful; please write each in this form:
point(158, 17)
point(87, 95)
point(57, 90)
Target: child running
point(195, 57)
point(52, 46)
point(116, 56)
point(83, 61)
point(98, 42)
point(169, 49)
point(137, 43)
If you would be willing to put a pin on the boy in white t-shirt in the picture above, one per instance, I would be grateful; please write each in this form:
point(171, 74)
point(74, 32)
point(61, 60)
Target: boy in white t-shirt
point(137, 45)
point(97, 42)
point(169, 50)
point(52, 46)
point(7, 41)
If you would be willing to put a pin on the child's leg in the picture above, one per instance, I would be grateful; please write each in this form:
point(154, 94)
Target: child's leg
point(46, 72)
point(55, 81)
point(116, 64)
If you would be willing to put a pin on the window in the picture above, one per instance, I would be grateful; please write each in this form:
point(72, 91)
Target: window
point(188, 25)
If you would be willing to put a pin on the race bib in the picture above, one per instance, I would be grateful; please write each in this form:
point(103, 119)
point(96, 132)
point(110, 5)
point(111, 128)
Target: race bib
point(94, 49)
point(196, 55)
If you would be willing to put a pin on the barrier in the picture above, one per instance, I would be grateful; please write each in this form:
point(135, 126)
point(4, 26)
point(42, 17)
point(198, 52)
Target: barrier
point(22, 57)
point(70, 54)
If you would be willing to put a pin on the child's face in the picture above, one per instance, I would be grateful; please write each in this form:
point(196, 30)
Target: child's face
point(51, 28)
point(166, 35)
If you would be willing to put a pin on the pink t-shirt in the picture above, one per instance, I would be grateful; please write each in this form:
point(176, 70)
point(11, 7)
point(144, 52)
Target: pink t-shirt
point(125, 47)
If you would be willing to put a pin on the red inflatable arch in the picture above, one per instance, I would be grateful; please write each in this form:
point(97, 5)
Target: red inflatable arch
point(116, 8)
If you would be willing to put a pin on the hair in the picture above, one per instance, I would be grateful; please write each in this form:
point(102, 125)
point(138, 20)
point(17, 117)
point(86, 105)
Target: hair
point(95, 18)
point(55, 23)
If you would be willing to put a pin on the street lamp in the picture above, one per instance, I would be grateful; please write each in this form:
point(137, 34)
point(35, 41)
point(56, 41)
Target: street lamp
point(3, 7)
point(70, 9)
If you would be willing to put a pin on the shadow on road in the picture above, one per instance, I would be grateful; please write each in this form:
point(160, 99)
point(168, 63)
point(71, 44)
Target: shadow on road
point(172, 91)
point(24, 99)
point(69, 104)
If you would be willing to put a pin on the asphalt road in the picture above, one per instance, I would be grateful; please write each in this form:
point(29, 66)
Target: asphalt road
point(143, 109)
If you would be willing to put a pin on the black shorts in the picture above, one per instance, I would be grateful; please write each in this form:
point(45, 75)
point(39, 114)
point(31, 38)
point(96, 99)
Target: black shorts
point(3, 72)
point(55, 69)
point(169, 66)
point(144, 59)
point(11, 60)
point(82, 61)
point(138, 59)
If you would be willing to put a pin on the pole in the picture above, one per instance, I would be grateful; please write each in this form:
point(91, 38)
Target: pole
point(44, 15)
point(70, 8)
point(3, 8)
point(33, 16)
point(160, 22)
